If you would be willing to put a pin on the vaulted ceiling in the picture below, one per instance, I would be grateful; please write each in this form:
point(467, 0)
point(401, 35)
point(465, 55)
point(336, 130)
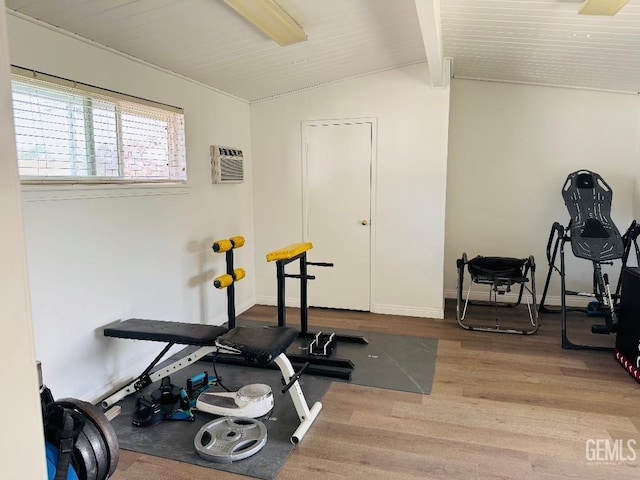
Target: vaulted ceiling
point(531, 41)
point(543, 42)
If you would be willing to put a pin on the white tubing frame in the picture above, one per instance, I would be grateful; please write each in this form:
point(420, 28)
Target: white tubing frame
point(157, 375)
point(305, 414)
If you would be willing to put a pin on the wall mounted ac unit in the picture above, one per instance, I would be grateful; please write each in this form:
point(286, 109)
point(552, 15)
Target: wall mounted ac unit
point(227, 165)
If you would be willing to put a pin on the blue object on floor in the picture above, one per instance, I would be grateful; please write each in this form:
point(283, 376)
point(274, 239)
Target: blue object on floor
point(52, 462)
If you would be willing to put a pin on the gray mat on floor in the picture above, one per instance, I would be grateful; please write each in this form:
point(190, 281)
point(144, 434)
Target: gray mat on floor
point(174, 439)
point(389, 361)
point(395, 362)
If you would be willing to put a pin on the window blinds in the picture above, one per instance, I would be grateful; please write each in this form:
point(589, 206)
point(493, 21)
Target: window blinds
point(71, 132)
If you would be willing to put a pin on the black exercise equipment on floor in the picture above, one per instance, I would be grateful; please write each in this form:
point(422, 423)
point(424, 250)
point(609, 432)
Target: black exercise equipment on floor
point(500, 274)
point(322, 344)
point(627, 350)
point(255, 346)
point(259, 345)
point(168, 402)
point(79, 439)
point(593, 237)
point(332, 367)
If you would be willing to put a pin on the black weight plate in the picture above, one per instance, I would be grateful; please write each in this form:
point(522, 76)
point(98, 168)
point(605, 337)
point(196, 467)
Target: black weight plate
point(100, 451)
point(85, 458)
point(102, 424)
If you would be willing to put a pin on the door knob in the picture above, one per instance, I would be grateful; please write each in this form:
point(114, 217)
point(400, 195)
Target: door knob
point(364, 222)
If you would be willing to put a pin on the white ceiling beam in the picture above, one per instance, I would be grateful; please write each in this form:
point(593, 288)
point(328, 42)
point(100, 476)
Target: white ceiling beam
point(429, 19)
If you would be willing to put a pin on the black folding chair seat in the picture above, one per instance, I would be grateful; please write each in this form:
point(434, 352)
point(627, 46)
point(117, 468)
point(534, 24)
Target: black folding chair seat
point(500, 273)
point(489, 270)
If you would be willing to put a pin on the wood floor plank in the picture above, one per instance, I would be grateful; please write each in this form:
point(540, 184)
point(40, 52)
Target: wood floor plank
point(553, 378)
point(538, 421)
point(503, 407)
point(570, 469)
point(476, 436)
point(414, 456)
point(149, 467)
point(549, 396)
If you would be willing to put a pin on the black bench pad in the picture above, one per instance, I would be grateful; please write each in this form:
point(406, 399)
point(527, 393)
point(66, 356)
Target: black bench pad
point(263, 344)
point(162, 331)
point(260, 343)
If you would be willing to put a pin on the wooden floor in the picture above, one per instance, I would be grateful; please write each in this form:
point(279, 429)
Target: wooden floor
point(502, 407)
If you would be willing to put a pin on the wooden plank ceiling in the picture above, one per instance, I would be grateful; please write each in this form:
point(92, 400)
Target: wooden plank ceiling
point(531, 41)
point(544, 42)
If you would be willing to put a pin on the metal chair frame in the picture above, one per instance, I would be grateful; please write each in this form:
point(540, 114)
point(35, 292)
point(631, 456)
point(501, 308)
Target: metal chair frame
point(498, 285)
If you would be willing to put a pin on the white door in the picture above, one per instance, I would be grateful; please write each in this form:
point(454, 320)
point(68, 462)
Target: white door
point(338, 182)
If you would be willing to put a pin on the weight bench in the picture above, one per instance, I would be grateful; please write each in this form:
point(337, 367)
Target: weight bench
point(259, 344)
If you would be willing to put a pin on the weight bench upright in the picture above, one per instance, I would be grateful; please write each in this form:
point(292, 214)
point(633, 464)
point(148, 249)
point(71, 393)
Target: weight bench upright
point(297, 252)
point(260, 344)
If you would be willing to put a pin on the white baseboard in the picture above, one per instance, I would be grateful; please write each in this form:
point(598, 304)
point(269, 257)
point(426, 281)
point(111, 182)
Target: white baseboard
point(378, 308)
point(552, 300)
point(408, 311)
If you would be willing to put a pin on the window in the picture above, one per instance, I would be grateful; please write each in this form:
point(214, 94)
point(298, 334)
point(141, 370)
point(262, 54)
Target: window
point(74, 133)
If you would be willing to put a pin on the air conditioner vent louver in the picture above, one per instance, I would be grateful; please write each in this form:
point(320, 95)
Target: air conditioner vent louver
point(227, 165)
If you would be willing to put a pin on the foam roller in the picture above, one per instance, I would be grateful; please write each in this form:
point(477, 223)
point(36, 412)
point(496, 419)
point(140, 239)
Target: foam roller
point(237, 241)
point(222, 246)
point(239, 274)
point(223, 281)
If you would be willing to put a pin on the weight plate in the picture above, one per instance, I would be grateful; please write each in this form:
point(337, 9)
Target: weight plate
point(229, 439)
point(84, 457)
point(100, 449)
point(103, 425)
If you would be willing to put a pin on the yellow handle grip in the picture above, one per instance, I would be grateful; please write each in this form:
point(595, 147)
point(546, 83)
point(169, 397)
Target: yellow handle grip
point(239, 274)
point(237, 241)
point(223, 281)
point(221, 246)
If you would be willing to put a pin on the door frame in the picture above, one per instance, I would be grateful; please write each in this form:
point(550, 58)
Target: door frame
point(373, 175)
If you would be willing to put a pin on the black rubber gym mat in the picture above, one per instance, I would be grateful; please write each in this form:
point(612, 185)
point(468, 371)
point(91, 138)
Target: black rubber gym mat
point(389, 361)
point(175, 439)
point(396, 362)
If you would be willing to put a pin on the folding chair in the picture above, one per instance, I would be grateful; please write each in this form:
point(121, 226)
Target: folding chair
point(500, 274)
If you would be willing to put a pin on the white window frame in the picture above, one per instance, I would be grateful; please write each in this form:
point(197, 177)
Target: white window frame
point(176, 152)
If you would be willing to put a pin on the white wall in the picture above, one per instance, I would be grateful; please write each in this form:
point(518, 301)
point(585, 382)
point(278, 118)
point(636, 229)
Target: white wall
point(22, 439)
point(411, 179)
point(511, 148)
point(97, 255)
